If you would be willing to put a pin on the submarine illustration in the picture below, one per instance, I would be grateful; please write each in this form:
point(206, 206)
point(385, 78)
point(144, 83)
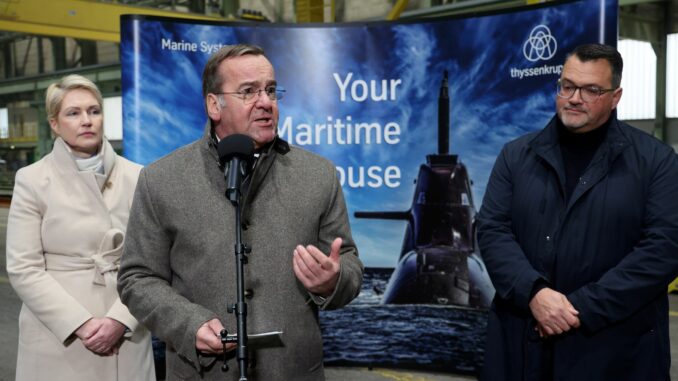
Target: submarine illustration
point(439, 261)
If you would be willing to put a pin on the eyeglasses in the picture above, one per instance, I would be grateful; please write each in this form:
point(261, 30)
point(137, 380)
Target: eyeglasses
point(250, 95)
point(588, 94)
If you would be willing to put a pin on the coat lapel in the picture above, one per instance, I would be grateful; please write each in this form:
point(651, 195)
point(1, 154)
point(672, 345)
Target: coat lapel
point(210, 158)
point(65, 165)
point(261, 170)
point(264, 164)
point(613, 145)
point(545, 145)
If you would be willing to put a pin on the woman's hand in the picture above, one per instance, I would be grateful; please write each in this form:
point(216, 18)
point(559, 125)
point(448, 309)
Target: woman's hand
point(101, 335)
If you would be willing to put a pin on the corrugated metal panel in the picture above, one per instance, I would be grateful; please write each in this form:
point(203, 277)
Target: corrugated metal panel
point(672, 76)
point(639, 80)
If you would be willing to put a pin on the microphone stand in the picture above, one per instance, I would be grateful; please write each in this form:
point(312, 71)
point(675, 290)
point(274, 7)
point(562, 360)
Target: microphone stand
point(240, 307)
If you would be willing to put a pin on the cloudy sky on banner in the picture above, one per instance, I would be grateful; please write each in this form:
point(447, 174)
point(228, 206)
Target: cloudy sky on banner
point(502, 72)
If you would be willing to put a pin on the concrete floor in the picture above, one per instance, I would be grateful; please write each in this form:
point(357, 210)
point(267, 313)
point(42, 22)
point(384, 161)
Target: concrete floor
point(10, 305)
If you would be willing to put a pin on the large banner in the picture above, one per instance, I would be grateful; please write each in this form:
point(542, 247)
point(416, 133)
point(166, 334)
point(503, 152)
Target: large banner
point(368, 96)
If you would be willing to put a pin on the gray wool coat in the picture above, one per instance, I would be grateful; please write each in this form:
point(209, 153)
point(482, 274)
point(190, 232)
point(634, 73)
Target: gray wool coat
point(178, 266)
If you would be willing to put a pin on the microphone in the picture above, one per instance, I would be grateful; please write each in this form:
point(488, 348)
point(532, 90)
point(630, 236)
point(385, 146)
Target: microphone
point(236, 155)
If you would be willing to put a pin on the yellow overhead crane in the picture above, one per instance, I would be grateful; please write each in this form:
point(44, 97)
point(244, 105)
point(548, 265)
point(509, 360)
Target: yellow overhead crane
point(397, 9)
point(82, 19)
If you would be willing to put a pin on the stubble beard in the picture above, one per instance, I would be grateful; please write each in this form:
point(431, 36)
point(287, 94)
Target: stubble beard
point(573, 122)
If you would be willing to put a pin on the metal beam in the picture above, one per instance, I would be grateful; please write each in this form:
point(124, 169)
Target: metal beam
point(461, 7)
point(82, 19)
point(623, 3)
point(397, 9)
point(38, 83)
point(660, 49)
point(643, 27)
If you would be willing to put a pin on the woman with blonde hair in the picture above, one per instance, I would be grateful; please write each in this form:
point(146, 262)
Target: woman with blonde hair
point(65, 233)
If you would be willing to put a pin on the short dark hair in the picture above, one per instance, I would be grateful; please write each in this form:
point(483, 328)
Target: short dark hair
point(211, 80)
point(591, 52)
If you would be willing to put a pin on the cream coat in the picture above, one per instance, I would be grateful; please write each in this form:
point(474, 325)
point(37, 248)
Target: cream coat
point(64, 241)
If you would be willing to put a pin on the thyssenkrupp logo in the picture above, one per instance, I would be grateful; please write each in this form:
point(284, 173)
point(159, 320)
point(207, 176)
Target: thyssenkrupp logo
point(541, 45)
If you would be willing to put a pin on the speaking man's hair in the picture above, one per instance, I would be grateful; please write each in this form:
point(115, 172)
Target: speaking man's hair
point(211, 80)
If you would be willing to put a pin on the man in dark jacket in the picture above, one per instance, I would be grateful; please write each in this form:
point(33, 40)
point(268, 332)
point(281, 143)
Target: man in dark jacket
point(579, 232)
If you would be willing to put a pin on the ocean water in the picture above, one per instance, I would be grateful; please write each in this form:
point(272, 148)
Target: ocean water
point(366, 333)
point(431, 337)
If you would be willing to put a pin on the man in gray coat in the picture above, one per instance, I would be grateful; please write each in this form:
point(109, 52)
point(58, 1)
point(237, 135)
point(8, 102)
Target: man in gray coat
point(177, 274)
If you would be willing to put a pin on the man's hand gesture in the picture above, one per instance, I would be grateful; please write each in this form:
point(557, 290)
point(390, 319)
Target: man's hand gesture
point(318, 272)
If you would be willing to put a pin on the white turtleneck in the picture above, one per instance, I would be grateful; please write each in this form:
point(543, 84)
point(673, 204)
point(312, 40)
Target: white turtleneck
point(94, 163)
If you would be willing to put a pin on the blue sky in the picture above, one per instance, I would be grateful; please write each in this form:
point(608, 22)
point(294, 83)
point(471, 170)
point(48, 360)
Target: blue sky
point(163, 109)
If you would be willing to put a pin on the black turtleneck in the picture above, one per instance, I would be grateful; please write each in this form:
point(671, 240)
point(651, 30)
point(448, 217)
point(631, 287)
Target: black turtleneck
point(578, 150)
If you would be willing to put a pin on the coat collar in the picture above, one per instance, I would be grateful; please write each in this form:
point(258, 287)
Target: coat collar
point(208, 144)
point(545, 144)
point(66, 162)
point(65, 167)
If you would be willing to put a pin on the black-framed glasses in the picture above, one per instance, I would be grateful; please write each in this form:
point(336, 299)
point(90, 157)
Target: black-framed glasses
point(250, 95)
point(588, 94)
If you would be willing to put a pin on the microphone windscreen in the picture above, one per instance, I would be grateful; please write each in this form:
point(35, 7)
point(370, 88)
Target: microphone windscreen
point(238, 145)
